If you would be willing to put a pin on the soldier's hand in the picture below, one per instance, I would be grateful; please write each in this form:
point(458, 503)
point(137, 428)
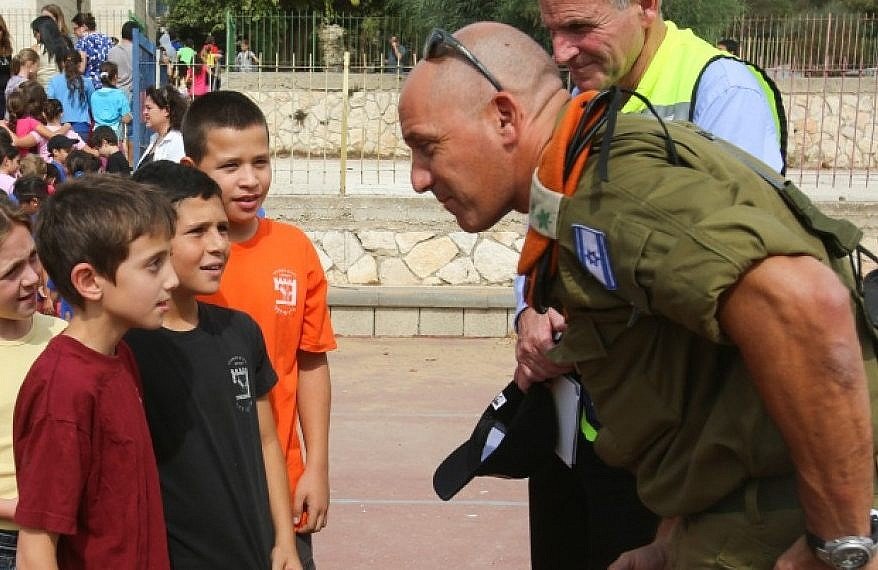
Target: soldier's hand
point(536, 335)
point(653, 556)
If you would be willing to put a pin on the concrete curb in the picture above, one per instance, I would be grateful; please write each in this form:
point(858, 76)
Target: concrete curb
point(422, 311)
point(425, 296)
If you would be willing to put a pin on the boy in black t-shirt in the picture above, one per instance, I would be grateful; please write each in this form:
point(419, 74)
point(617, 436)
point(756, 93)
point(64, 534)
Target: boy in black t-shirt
point(104, 140)
point(206, 378)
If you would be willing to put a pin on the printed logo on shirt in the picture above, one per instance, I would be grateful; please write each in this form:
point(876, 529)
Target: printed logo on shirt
point(285, 290)
point(240, 372)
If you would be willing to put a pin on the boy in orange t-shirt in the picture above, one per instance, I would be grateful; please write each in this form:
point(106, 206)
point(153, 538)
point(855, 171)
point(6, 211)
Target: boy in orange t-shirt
point(274, 274)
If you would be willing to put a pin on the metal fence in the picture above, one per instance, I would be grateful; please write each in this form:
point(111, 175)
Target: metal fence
point(825, 67)
point(334, 127)
point(830, 45)
point(812, 44)
point(18, 21)
point(290, 40)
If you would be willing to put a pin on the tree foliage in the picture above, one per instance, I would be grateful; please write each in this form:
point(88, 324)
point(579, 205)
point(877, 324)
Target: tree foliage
point(706, 17)
point(454, 14)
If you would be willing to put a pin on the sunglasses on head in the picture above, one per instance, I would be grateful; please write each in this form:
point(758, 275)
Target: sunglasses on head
point(440, 43)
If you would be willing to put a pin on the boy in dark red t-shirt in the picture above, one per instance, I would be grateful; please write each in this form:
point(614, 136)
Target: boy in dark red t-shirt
point(89, 495)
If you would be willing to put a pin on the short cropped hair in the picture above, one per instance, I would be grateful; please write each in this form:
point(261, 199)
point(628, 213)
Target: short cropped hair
point(93, 220)
point(85, 19)
point(80, 163)
point(52, 172)
point(128, 29)
point(27, 188)
point(218, 110)
point(11, 215)
point(59, 142)
point(7, 151)
point(730, 45)
point(177, 182)
point(101, 135)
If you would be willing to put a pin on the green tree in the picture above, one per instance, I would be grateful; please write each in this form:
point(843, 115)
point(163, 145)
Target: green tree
point(706, 17)
point(867, 6)
point(454, 14)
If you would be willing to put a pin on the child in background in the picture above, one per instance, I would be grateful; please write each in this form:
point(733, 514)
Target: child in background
point(52, 174)
point(107, 144)
point(24, 66)
point(73, 90)
point(109, 104)
point(9, 166)
point(211, 55)
point(24, 334)
point(79, 163)
point(52, 112)
point(94, 502)
point(30, 192)
point(25, 126)
point(60, 147)
point(198, 77)
point(32, 165)
point(275, 276)
point(186, 56)
point(246, 59)
point(215, 441)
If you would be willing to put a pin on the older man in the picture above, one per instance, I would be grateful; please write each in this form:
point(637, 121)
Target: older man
point(716, 335)
point(627, 43)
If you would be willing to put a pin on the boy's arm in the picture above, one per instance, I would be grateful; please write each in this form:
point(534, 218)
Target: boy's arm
point(283, 555)
point(313, 393)
point(37, 550)
point(7, 508)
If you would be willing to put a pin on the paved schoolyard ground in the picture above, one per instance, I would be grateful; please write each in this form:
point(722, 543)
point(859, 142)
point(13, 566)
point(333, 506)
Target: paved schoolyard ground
point(399, 407)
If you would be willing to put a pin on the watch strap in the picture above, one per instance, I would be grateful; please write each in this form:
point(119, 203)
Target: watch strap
point(817, 543)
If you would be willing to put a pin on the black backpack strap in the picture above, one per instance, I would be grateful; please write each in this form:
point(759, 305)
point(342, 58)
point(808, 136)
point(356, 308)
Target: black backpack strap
point(775, 93)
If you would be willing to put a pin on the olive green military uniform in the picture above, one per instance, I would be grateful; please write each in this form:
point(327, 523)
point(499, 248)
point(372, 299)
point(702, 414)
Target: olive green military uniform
point(644, 259)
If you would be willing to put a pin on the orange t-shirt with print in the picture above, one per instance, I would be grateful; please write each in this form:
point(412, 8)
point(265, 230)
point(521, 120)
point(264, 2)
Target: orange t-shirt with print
point(277, 279)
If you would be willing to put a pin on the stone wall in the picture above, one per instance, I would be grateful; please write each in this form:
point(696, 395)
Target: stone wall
point(401, 241)
point(308, 122)
point(413, 242)
point(825, 129)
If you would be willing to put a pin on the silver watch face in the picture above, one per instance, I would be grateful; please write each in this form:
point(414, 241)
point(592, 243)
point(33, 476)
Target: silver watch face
point(850, 556)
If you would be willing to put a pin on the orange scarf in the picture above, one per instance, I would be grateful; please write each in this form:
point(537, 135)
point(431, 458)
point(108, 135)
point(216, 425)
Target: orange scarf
point(551, 175)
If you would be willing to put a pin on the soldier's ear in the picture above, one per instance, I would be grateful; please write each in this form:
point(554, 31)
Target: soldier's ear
point(508, 116)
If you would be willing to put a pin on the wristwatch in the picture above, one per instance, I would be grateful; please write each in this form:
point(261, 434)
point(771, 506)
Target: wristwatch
point(847, 552)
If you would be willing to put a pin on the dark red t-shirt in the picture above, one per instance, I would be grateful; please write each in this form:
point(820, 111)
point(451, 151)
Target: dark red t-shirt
point(84, 460)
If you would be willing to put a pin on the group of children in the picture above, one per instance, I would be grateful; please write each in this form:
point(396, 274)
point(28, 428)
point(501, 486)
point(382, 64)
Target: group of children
point(159, 428)
point(74, 148)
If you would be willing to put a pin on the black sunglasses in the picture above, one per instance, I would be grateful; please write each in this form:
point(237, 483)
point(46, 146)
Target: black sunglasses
point(440, 42)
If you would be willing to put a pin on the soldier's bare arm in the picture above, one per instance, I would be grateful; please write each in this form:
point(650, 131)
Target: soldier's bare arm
point(793, 322)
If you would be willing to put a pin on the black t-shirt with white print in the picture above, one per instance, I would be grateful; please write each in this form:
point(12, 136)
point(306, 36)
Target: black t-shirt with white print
point(200, 389)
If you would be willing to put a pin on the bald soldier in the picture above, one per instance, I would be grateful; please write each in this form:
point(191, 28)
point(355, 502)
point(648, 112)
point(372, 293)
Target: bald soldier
point(718, 337)
point(629, 44)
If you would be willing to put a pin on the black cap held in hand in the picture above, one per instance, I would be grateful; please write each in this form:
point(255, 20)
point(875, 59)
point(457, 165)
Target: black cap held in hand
point(514, 437)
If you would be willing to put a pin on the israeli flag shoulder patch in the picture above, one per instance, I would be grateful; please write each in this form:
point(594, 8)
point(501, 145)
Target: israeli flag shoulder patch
point(594, 255)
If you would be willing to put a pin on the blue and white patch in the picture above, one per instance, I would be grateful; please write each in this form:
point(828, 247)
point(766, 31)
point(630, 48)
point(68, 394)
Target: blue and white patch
point(594, 255)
